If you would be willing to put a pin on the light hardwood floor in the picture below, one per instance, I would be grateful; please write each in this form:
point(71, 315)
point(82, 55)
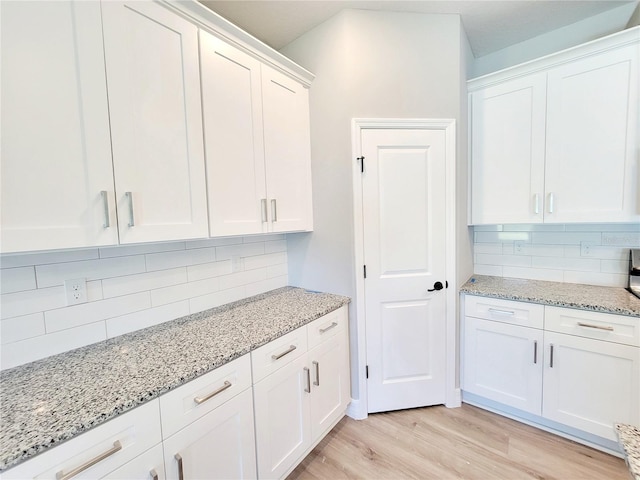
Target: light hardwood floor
point(441, 443)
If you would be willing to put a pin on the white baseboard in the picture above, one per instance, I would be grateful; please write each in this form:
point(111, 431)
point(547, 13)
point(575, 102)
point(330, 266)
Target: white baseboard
point(454, 400)
point(357, 410)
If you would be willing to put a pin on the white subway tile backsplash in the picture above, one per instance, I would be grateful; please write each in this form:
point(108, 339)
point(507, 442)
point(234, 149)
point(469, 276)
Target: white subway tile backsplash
point(182, 258)
point(57, 273)
point(35, 348)
point(43, 258)
point(146, 318)
point(19, 328)
point(17, 279)
point(31, 301)
point(595, 254)
point(204, 302)
point(115, 287)
point(208, 270)
point(84, 313)
point(128, 288)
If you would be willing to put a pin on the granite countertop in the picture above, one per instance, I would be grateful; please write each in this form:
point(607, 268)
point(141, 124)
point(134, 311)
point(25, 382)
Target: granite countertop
point(54, 399)
point(629, 439)
point(585, 297)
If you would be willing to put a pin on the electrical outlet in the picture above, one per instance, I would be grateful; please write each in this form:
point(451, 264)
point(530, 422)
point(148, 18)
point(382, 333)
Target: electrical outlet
point(517, 246)
point(76, 291)
point(586, 249)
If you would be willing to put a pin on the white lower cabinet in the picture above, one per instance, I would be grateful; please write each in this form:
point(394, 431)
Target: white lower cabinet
point(588, 379)
point(298, 403)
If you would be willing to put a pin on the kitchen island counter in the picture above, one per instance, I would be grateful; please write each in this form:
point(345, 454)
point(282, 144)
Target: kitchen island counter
point(54, 399)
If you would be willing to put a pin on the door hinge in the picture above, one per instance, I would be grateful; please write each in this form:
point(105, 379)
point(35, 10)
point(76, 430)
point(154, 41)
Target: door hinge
point(361, 160)
point(364, 268)
point(366, 369)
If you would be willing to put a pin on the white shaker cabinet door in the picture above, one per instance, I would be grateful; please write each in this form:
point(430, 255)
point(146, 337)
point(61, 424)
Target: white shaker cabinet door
point(507, 148)
point(592, 139)
point(590, 384)
point(232, 112)
point(156, 123)
point(57, 181)
point(287, 152)
point(503, 362)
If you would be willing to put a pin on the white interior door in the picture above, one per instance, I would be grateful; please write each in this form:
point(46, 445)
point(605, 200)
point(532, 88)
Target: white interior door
point(403, 189)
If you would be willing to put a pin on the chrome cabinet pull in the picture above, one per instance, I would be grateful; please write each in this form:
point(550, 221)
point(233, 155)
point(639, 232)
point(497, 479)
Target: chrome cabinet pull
point(551, 202)
point(117, 446)
point(535, 351)
point(536, 208)
point(129, 196)
point(588, 325)
point(154, 474)
point(105, 206)
point(317, 381)
point(551, 357)
point(501, 312)
point(286, 352)
point(333, 324)
point(180, 467)
point(308, 387)
point(199, 400)
point(274, 210)
point(263, 203)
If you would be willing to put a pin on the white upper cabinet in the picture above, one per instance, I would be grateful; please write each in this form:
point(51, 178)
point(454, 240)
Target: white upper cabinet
point(232, 112)
point(56, 152)
point(592, 139)
point(556, 140)
point(156, 122)
point(256, 123)
point(287, 148)
point(507, 141)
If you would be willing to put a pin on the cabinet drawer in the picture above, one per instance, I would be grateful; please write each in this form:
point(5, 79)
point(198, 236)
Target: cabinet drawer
point(327, 326)
point(507, 311)
point(135, 431)
point(602, 326)
point(193, 400)
point(278, 353)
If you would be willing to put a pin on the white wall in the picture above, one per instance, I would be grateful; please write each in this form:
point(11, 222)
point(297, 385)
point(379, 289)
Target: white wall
point(129, 288)
point(594, 254)
point(574, 34)
point(367, 64)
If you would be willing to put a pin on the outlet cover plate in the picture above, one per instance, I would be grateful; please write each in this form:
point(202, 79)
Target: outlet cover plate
point(76, 291)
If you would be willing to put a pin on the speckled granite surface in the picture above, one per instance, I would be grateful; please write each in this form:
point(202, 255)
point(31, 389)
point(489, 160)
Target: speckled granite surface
point(585, 297)
point(52, 400)
point(629, 439)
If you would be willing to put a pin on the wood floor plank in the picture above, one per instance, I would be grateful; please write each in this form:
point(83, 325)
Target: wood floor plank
point(459, 443)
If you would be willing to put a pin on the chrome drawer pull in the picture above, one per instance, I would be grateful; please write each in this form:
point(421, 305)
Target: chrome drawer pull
point(280, 355)
point(199, 400)
point(153, 474)
point(274, 210)
point(535, 351)
point(551, 356)
point(317, 365)
point(129, 197)
point(501, 312)
point(263, 203)
point(333, 324)
point(588, 325)
point(117, 446)
point(308, 387)
point(180, 466)
point(105, 206)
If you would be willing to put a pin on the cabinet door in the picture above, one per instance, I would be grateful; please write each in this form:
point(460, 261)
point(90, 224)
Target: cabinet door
point(330, 392)
point(220, 445)
point(592, 139)
point(503, 362)
point(283, 428)
point(287, 151)
point(56, 153)
point(148, 466)
point(232, 112)
point(590, 384)
point(507, 151)
point(156, 123)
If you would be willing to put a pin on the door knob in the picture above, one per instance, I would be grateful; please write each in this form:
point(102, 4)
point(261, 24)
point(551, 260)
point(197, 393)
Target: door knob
point(436, 286)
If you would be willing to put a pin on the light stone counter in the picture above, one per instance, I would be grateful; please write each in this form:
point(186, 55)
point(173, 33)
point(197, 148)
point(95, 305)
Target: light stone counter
point(46, 402)
point(629, 439)
point(615, 300)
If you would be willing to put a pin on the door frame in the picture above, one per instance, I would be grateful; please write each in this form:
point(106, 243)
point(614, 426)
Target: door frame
point(359, 407)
